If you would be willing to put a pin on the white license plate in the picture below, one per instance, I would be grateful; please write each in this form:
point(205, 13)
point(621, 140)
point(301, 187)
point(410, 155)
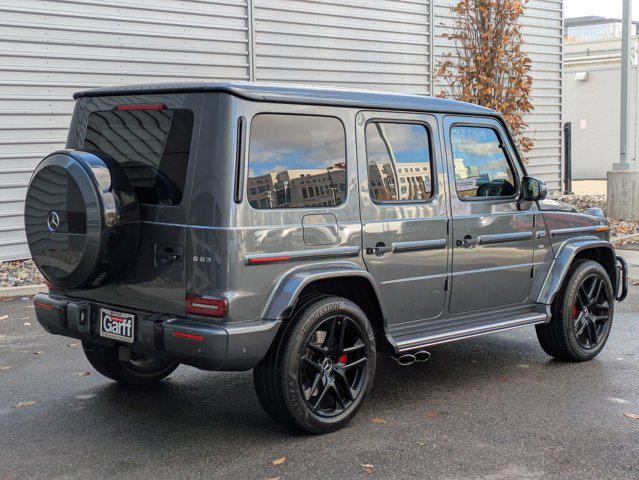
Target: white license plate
point(117, 325)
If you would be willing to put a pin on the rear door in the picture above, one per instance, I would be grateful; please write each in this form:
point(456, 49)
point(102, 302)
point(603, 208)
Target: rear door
point(154, 138)
point(404, 212)
point(492, 236)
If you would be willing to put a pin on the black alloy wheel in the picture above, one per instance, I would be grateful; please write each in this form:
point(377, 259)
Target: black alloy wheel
point(591, 312)
point(332, 370)
point(582, 314)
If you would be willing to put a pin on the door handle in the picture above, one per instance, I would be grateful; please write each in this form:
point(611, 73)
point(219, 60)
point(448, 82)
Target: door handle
point(468, 242)
point(379, 249)
point(168, 254)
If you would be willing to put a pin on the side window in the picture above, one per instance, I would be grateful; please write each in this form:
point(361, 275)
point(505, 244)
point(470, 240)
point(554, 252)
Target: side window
point(296, 161)
point(399, 162)
point(481, 164)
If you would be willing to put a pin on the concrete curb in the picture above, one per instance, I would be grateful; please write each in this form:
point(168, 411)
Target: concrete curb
point(23, 291)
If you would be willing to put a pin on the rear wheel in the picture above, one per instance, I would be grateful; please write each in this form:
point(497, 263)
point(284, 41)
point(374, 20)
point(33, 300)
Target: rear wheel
point(137, 371)
point(320, 367)
point(582, 314)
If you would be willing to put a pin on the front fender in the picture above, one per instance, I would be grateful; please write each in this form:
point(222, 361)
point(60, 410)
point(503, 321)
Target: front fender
point(562, 262)
point(288, 289)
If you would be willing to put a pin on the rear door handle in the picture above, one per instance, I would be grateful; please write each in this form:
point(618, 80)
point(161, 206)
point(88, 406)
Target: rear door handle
point(167, 254)
point(467, 242)
point(379, 249)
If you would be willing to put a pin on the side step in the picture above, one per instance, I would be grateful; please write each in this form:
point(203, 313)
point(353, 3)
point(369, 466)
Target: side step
point(468, 331)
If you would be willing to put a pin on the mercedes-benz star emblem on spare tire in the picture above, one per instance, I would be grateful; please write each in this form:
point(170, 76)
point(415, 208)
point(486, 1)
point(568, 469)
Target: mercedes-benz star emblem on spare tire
point(53, 221)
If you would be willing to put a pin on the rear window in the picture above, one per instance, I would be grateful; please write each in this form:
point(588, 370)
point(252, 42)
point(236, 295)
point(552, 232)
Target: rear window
point(151, 145)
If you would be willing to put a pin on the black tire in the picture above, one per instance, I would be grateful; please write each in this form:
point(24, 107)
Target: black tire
point(304, 346)
point(142, 372)
point(581, 324)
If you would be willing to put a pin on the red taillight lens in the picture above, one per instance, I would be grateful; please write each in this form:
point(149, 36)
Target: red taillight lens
point(207, 306)
point(141, 106)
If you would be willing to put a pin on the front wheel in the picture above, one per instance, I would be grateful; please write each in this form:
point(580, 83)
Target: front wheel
point(137, 371)
point(582, 314)
point(320, 368)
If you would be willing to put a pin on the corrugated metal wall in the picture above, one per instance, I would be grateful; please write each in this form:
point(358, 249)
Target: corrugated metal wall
point(381, 44)
point(543, 30)
point(51, 48)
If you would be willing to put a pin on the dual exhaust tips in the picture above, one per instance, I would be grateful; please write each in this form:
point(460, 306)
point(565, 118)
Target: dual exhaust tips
point(408, 358)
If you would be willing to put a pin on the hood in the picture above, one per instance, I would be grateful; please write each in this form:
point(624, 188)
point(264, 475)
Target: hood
point(548, 205)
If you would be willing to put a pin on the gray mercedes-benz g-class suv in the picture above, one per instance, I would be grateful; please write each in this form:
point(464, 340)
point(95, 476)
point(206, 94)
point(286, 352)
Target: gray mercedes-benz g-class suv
point(297, 231)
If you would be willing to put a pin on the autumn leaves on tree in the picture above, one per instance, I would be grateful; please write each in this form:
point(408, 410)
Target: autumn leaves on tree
point(487, 65)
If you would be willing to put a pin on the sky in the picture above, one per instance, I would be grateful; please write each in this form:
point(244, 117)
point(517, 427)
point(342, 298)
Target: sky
point(603, 8)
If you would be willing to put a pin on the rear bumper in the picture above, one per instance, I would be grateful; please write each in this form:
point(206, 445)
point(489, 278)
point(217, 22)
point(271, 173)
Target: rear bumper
point(204, 345)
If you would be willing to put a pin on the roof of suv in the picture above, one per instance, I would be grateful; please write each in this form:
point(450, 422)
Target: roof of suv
point(306, 94)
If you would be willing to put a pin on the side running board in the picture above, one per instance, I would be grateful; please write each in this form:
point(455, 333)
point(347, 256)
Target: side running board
point(450, 335)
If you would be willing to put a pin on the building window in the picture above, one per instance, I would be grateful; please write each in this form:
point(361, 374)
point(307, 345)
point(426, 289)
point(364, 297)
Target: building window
point(481, 164)
point(283, 149)
point(393, 150)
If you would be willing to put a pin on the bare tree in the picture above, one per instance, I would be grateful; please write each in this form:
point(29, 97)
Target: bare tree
point(487, 64)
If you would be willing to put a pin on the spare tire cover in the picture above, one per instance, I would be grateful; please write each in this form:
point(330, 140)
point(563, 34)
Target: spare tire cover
point(81, 219)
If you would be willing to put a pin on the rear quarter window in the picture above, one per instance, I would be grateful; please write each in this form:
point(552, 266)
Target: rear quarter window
point(151, 145)
point(296, 161)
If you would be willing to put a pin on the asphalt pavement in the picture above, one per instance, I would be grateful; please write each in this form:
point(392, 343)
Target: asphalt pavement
point(494, 407)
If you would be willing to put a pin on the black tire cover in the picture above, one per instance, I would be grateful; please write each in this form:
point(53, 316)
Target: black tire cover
point(81, 219)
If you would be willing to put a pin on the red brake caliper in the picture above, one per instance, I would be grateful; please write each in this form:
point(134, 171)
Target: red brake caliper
point(343, 359)
point(574, 312)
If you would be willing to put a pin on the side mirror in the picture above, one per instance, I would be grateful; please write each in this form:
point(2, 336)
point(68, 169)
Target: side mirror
point(533, 189)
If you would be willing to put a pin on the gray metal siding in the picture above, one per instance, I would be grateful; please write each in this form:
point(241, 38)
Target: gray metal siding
point(50, 49)
point(542, 29)
point(348, 43)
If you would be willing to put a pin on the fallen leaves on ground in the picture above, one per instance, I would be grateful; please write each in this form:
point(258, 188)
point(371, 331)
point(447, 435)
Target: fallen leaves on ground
point(634, 416)
point(39, 352)
point(84, 374)
point(4, 317)
point(431, 414)
point(76, 344)
point(27, 324)
point(27, 403)
point(379, 420)
point(368, 468)
point(4, 368)
point(279, 461)
point(273, 478)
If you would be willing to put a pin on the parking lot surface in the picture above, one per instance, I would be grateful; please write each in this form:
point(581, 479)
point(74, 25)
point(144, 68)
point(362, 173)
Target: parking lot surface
point(494, 407)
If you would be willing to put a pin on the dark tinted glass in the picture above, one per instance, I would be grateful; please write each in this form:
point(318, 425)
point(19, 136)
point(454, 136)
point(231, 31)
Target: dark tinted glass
point(481, 165)
point(152, 146)
point(296, 161)
point(399, 162)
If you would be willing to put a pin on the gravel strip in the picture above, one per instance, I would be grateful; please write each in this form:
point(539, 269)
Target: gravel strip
point(19, 273)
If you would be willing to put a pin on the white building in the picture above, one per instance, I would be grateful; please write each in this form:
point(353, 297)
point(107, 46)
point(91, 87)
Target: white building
point(50, 49)
point(592, 94)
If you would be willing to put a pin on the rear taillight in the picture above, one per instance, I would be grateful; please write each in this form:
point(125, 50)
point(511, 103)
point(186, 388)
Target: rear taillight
point(207, 306)
point(141, 106)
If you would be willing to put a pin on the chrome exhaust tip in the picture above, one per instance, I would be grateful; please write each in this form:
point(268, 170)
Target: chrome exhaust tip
point(422, 356)
point(405, 359)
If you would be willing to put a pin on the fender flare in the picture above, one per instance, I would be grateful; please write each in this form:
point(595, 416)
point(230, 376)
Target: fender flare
point(291, 284)
point(564, 259)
